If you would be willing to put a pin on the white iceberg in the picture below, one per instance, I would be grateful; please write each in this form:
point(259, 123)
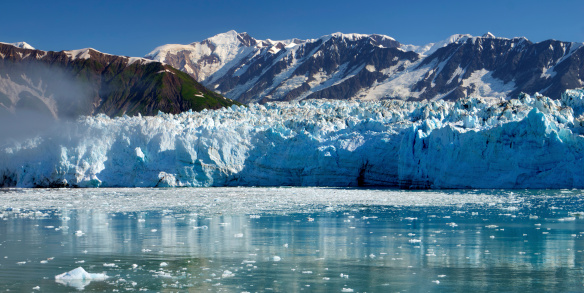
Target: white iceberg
point(78, 278)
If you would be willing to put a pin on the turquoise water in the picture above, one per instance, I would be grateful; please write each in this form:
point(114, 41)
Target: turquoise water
point(293, 240)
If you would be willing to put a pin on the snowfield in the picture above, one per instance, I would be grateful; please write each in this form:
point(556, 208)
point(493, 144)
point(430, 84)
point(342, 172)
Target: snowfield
point(530, 142)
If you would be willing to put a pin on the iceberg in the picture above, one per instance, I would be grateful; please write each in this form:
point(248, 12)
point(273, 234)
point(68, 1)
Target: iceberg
point(528, 142)
point(78, 278)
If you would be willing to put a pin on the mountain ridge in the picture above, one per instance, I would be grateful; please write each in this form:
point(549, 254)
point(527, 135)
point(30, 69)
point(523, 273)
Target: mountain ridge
point(375, 67)
point(86, 82)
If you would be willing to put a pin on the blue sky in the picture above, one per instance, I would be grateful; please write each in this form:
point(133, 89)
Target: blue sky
point(134, 28)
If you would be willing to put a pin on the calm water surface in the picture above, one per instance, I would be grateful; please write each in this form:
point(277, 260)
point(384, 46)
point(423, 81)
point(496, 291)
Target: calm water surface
point(293, 240)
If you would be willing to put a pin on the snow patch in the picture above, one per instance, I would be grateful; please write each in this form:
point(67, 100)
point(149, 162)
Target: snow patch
point(79, 54)
point(139, 60)
point(483, 84)
point(458, 73)
point(370, 68)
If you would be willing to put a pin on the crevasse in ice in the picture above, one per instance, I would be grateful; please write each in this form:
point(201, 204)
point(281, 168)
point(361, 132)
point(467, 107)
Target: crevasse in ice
point(529, 142)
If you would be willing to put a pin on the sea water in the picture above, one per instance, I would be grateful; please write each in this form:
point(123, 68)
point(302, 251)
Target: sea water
point(292, 240)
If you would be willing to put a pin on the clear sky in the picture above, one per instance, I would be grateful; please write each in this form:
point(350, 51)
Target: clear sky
point(134, 28)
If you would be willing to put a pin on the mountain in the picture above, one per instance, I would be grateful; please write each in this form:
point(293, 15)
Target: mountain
point(22, 45)
point(85, 82)
point(374, 67)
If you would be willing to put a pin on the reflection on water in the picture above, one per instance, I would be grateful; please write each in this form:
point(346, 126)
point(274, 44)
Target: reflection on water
point(533, 243)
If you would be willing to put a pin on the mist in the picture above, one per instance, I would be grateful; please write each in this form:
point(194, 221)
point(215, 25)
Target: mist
point(35, 98)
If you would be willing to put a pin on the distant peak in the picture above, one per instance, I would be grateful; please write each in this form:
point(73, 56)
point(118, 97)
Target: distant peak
point(231, 32)
point(246, 39)
point(348, 36)
point(231, 37)
point(430, 48)
point(376, 39)
point(22, 45)
point(488, 35)
point(82, 53)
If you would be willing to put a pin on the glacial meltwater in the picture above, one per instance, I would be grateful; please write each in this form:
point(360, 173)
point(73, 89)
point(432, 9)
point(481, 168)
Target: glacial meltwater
point(291, 240)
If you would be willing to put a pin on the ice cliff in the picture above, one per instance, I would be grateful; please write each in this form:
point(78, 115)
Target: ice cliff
point(529, 142)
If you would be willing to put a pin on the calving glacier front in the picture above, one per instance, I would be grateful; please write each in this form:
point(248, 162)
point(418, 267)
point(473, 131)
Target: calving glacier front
point(531, 142)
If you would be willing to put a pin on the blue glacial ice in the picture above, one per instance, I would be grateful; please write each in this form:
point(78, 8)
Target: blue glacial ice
point(529, 142)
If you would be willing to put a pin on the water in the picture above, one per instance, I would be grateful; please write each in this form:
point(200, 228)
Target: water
point(292, 240)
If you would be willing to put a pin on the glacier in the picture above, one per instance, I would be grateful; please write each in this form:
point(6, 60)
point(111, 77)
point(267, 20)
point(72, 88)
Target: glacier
point(528, 142)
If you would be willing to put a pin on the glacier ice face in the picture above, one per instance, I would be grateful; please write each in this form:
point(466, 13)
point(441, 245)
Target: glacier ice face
point(530, 142)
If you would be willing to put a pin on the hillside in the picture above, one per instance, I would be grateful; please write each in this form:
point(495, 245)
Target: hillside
point(86, 82)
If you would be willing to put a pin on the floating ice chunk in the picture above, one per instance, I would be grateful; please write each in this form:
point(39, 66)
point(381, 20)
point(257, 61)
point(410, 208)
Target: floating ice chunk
point(79, 233)
point(163, 264)
point(161, 274)
point(78, 278)
point(276, 258)
point(227, 274)
point(347, 290)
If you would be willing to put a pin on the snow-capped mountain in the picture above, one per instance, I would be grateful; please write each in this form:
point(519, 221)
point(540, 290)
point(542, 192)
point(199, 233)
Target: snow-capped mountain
point(374, 67)
point(86, 81)
point(22, 45)
point(530, 142)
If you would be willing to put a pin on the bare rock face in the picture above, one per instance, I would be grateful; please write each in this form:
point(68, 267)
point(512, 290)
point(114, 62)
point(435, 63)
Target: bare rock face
point(375, 67)
point(85, 82)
